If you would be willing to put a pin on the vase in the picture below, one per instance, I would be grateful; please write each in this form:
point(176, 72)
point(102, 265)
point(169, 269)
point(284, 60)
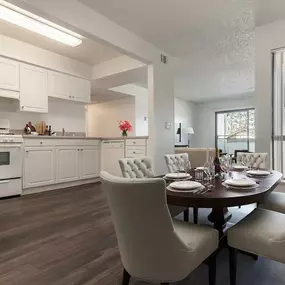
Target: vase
point(124, 133)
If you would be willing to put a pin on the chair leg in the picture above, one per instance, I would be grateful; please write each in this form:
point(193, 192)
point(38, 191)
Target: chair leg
point(126, 278)
point(186, 215)
point(233, 265)
point(212, 269)
point(195, 215)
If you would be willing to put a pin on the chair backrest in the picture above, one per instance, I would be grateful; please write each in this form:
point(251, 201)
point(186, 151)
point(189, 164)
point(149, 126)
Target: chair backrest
point(148, 244)
point(136, 167)
point(240, 150)
point(172, 160)
point(259, 160)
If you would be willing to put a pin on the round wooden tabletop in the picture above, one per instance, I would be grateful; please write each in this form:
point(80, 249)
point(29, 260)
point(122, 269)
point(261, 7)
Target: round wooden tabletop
point(221, 197)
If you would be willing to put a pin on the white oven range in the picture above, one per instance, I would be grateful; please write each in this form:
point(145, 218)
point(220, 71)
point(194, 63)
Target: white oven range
point(11, 153)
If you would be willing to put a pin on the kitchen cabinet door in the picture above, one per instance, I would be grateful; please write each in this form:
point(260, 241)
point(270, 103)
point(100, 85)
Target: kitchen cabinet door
point(59, 85)
point(81, 90)
point(89, 162)
point(33, 89)
point(9, 74)
point(39, 166)
point(67, 164)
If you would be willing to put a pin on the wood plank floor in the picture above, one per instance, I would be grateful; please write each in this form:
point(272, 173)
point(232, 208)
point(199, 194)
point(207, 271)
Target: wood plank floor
point(66, 237)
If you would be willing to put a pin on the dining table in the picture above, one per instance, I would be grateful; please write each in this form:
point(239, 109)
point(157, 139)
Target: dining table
point(219, 198)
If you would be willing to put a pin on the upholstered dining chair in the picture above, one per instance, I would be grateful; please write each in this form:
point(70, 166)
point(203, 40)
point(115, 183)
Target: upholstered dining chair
point(173, 161)
point(259, 160)
point(142, 168)
point(260, 233)
point(153, 247)
point(274, 202)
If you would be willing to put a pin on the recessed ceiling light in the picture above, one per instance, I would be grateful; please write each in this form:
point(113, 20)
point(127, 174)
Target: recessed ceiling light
point(40, 27)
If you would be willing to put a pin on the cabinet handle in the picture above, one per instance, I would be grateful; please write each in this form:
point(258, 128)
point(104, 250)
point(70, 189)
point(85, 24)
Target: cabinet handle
point(41, 142)
point(22, 107)
point(134, 152)
point(70, 97)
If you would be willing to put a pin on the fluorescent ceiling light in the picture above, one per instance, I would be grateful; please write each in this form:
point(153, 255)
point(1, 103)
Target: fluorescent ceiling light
point(39, 27)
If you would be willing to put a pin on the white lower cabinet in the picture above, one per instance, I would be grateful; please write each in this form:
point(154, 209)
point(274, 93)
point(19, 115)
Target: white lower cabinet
point(48, 162)
point(89, 162)
point(67, 167)
point(39, 166)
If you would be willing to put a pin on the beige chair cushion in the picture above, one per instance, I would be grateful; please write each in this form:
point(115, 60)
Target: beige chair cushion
point(262, 232)
point(197, 156)
point(274, 202)
point(201, 239)
point(173, 159)
point(136, 167)
point(152, 248)
point(259, 159)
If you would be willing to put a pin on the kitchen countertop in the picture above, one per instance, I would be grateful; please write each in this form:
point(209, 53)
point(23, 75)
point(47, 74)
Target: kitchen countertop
point(83, 137)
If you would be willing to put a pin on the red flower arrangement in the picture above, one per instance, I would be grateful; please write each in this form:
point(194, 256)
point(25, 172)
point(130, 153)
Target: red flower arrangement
point(125, 127)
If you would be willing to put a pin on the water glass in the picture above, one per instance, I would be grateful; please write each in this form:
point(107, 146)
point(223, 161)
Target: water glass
point(187, 166)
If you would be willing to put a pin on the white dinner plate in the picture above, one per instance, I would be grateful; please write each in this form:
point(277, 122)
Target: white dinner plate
point(249, 188)
point(258, 172)
point(186, 185)
point(240, 167)
point(176, 175)
point(240, 182)
point(200, 168)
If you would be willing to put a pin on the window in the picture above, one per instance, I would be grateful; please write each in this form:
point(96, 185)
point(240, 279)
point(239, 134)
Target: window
point(235, 130)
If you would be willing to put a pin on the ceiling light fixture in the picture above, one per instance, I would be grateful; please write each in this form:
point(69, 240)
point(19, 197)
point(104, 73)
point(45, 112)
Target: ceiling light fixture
point(38, 27)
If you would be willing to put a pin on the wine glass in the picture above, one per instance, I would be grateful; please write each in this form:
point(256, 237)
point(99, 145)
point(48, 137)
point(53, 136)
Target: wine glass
point(207, 171)
point(187, 166)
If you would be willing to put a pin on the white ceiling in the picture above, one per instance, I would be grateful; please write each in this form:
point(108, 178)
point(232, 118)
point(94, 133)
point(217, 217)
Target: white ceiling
point(213, 39)
point(89, 51)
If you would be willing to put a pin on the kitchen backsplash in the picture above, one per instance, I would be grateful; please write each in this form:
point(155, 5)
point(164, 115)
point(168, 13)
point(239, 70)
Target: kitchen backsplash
point(62, 114)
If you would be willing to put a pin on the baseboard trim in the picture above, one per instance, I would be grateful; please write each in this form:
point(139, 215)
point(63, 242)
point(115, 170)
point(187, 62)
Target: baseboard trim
point(59, 186)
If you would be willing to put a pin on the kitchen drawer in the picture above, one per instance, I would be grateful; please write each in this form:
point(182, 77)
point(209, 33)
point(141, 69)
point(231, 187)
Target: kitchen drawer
point(77, 142)
point(60, 142)
point(138, 152)
point(140, 142)
point(39, 142)
point(10, 187)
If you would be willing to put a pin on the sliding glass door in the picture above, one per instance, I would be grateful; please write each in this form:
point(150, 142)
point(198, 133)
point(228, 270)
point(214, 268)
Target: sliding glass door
point(235, 130)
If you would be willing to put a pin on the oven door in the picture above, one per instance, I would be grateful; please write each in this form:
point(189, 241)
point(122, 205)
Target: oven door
point(10, 161)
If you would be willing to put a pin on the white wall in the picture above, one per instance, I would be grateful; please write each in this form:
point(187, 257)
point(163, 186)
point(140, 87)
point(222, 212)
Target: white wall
point(185, 113)
point(205, 118)
point(103, 119)
point(31, 54)
point(62, 114)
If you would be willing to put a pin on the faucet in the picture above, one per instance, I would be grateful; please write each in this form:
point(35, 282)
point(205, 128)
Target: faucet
point(63, 132)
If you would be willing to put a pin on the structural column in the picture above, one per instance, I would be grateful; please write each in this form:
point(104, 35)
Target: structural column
point(160, 114)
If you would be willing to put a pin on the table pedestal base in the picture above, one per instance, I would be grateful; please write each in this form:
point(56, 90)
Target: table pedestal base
point(219, 217)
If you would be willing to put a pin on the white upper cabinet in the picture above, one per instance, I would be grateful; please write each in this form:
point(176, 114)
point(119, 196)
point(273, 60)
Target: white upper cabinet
point(58, 85)
point(80, 90)
point(33, 89)
point(9, 74)
point(68, 87)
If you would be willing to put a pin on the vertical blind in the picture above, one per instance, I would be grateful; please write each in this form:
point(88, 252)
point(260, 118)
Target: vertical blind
point(278, 114)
